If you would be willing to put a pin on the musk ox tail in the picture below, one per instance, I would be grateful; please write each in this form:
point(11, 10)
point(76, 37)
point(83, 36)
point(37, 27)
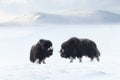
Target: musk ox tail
point(97, 53)
point(92, 50)
point(32, 54)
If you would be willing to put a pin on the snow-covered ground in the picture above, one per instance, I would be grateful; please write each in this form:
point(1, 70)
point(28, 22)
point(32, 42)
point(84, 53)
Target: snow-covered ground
point(15, 44)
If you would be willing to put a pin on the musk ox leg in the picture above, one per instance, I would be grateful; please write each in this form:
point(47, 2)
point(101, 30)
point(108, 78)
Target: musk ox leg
point(43, 61)
point(71, 60)
point(98, 58)
point(80, 59)
point(92, 58)
point(39, 61)
point(98, 54)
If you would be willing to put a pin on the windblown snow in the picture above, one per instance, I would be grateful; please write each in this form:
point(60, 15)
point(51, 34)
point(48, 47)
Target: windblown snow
point(16, 41)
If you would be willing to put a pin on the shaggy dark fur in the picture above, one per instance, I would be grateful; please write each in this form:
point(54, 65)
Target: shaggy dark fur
point(77, 48)
point(41, 51)
point(69, 48)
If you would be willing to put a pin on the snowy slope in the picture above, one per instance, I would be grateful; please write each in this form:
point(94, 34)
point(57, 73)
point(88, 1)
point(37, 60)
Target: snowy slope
point(68, 17)
point(15, 44)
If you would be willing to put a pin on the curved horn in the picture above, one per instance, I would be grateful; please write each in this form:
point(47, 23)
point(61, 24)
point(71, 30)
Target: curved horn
point(50, 48)
point(62, 50)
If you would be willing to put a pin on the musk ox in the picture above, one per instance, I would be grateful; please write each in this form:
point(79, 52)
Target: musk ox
point(41, 51)
point(77, 48)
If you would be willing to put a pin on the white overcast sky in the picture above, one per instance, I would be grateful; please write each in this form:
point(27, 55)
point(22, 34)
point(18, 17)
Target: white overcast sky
point(25, 6)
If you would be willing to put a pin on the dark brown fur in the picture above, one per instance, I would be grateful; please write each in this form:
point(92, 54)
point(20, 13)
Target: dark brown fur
point(41, 51)
point(77, 48)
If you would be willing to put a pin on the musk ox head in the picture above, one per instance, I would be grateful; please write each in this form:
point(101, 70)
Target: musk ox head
point(46, 46)
point(64, 50)
point(68, 48)
point(41, 50)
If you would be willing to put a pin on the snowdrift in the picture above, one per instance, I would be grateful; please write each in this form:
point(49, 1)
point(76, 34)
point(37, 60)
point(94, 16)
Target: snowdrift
point(15, 44)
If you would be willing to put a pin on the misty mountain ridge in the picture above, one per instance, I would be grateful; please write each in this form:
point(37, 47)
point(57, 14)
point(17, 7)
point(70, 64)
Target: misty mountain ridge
point(68, 17)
